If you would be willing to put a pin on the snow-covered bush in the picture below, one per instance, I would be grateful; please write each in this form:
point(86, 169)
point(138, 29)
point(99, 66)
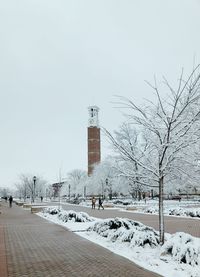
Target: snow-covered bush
point(183, 248)
point(151, 210)
point(176, 211)
point(124, 202)
point(126, 230)
point(74, 216)
point(68, 215)
point(51, 210)
point(191, 212)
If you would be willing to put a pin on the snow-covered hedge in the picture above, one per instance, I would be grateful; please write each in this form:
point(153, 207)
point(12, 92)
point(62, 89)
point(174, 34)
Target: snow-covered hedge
point(68, 215)
point(122, 202)
point(126, 230)
point(151, 210)
point(74, 216)
point(51, 210)
point(183, 248)
point(191, 212)
point(185, 212)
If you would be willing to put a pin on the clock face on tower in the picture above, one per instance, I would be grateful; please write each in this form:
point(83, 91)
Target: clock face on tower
point(91, 121)
point(93, 116)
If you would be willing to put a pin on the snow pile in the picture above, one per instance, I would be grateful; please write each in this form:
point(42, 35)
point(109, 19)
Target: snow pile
point(183, 248)
point(66, 216)
point(126, 230)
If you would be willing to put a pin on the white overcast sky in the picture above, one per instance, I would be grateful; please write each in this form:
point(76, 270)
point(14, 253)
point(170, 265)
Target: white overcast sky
point(57, 57)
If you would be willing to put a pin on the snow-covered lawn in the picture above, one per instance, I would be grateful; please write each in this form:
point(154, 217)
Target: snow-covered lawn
point(184, 208)
point(178, 257)
point(177, 211)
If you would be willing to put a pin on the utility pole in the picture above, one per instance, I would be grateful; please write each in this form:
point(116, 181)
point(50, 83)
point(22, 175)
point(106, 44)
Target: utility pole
point(34, 181)
point(69, 191)
point(84, 192)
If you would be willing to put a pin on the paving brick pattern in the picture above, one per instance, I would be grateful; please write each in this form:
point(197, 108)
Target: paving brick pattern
point(3, 262)
point(38, 248)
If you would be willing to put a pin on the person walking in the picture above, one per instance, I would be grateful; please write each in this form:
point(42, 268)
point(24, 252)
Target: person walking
point(100, 204)
point(10, 201)
point(93, 202)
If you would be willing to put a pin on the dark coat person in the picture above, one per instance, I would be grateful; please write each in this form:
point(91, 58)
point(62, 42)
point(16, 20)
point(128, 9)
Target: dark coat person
point(10, 201)
point(100, 204)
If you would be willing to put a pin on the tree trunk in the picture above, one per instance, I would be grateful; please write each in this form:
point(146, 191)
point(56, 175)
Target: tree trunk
point(152, 194)
point(139, 195)
point(161, 212)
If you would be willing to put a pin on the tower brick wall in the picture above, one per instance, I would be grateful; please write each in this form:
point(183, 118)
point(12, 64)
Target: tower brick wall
point(94, 151)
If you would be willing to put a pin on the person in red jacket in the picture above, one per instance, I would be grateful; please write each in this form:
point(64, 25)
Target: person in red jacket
point(93, 202)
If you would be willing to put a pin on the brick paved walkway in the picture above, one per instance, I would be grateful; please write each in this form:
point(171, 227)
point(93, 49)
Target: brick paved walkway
point(32, 246)
point(3, 262)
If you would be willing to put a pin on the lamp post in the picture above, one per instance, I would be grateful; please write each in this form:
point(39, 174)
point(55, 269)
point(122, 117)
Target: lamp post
point(106, 183)
point(46, 193)
point(34, 181)
point(152, 195)
point(59, 188)
point(84, 193)
point(69, 191)
point(102, 191)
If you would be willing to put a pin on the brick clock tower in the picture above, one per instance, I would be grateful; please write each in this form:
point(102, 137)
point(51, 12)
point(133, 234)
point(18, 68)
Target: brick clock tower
point(94, 142)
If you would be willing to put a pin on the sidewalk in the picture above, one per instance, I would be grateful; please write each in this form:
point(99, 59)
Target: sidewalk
point(32, 246)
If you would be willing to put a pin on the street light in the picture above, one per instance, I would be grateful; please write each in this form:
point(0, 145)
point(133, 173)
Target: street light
point(46, 193)
point(109, 188)
point(102, 190)
point(34, 181)
point(106, 186)
point(84, 193)
point(69, 191)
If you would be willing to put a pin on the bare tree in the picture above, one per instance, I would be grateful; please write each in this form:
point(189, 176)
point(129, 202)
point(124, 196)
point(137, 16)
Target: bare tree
point(103, 179)
point(4, 192)
point(25, 186)
point(129, 144)
point(76, 179)
point(168, 129)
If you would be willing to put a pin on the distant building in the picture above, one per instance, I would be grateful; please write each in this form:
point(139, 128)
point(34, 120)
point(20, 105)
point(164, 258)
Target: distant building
point(94, 141)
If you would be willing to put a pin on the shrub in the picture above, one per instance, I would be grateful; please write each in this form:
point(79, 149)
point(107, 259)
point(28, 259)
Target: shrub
point(183, 248)
point(126, 230)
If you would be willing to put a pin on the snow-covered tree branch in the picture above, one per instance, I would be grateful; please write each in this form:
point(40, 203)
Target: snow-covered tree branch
point(166, 131)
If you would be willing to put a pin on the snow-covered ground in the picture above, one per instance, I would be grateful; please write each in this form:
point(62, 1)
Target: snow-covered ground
point(176, 211)
point(184, 208)
point(178, 257)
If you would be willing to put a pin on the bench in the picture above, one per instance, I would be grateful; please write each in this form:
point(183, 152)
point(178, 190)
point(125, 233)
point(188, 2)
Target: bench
point(37, 209)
